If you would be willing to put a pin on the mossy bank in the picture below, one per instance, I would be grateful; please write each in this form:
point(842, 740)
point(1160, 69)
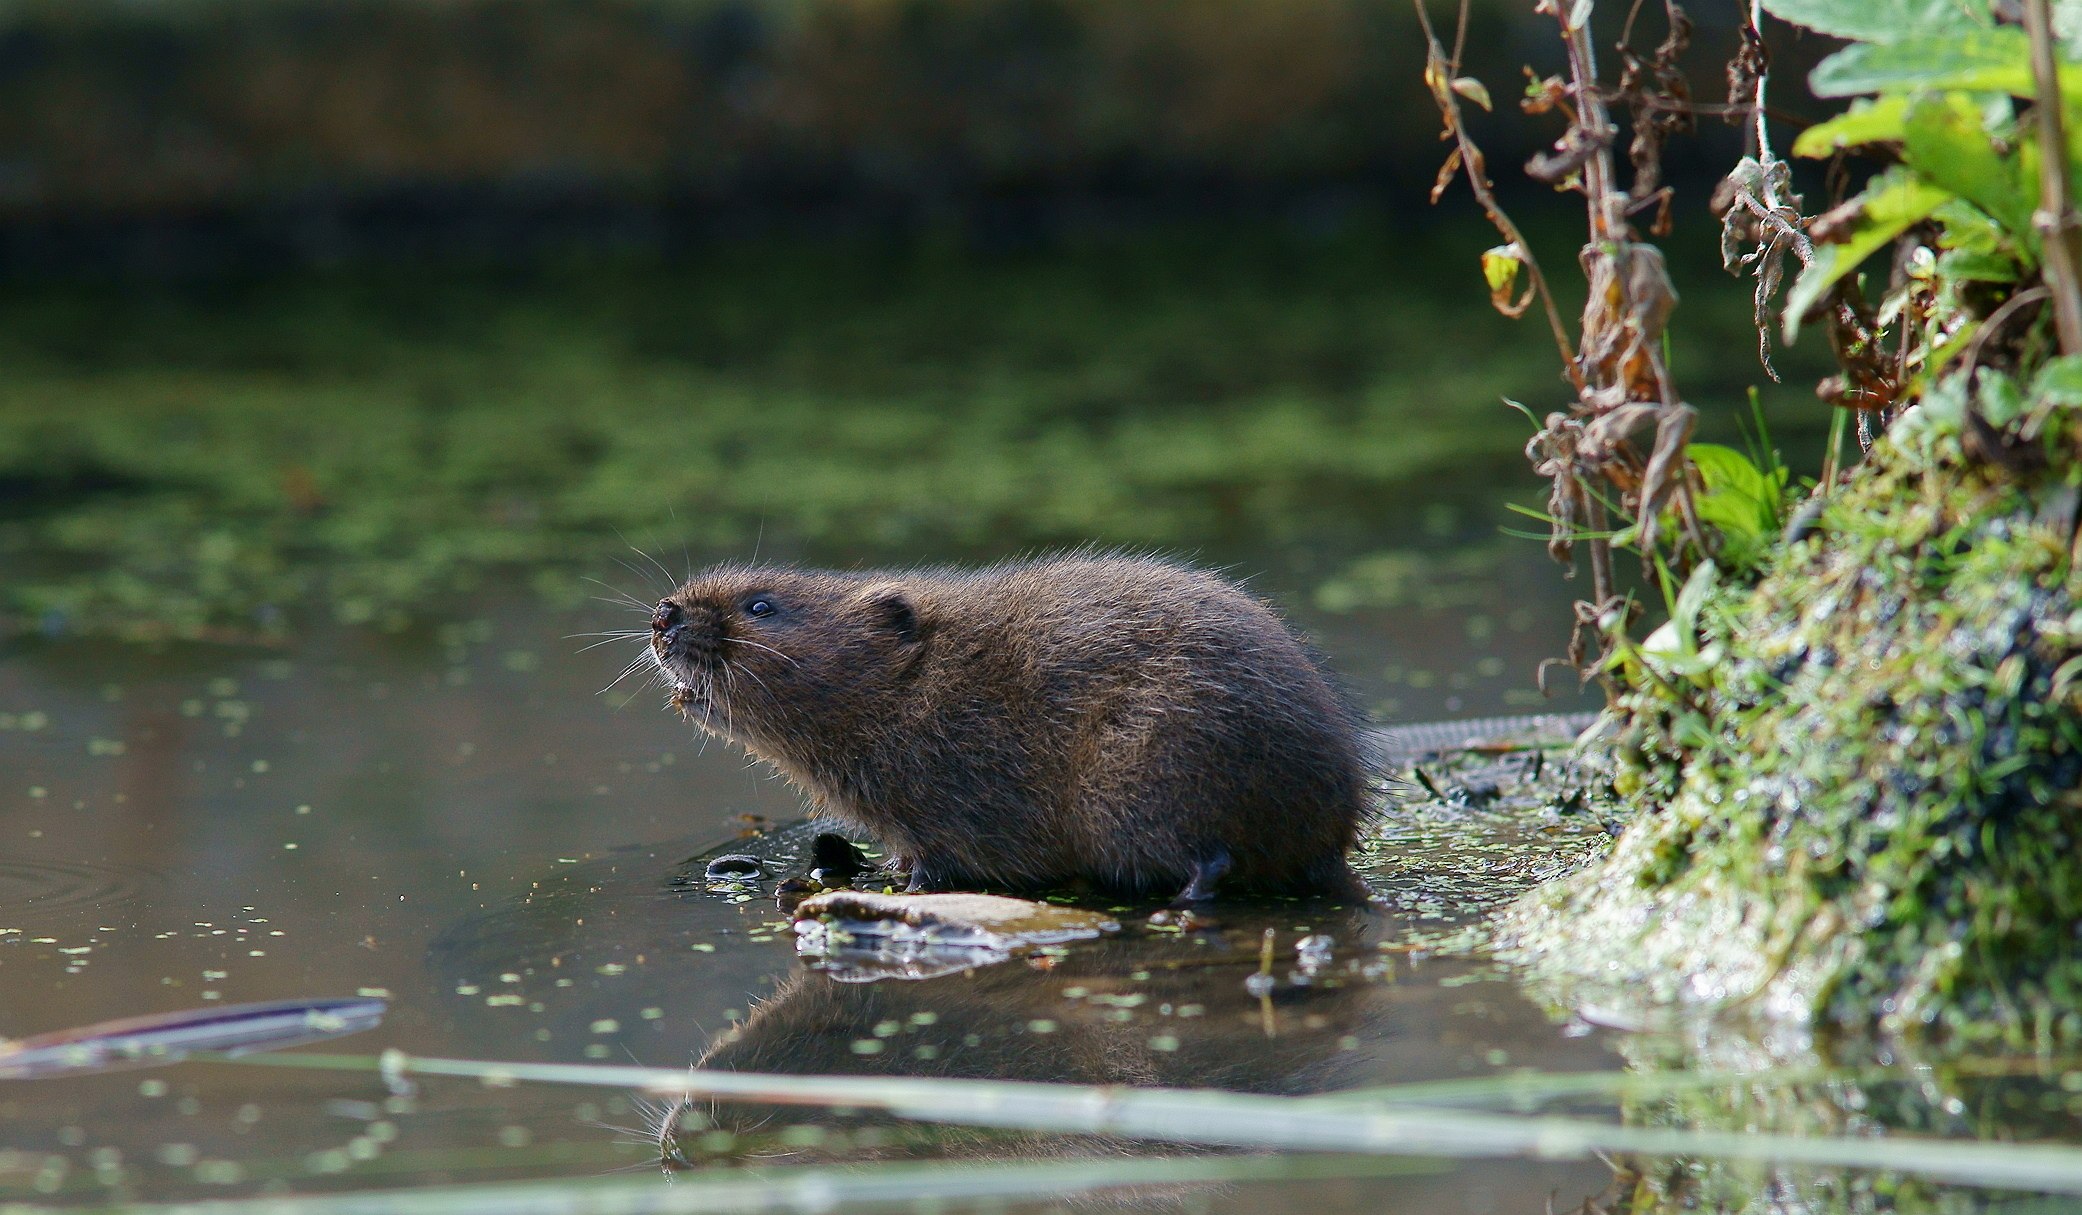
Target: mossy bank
point(1865, 798)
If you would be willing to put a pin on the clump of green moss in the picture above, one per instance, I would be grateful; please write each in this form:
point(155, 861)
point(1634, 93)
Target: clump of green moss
point(1867, 804)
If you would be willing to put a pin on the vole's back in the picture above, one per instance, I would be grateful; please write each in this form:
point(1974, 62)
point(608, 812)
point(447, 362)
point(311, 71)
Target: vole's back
point(1127, 720)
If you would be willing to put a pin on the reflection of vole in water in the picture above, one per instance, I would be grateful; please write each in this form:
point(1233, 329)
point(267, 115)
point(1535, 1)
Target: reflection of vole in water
point(1136, 1011)
point(1128, 721)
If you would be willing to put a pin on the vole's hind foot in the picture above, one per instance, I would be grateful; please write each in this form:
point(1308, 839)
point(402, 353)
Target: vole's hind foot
point(924, 880)
point(1207, 874)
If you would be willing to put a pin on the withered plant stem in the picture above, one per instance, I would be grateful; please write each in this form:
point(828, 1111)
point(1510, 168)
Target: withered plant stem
point(1607, 203)
point(1441, 72)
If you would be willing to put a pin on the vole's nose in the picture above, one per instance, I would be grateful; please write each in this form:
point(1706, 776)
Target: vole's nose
point(667, 615)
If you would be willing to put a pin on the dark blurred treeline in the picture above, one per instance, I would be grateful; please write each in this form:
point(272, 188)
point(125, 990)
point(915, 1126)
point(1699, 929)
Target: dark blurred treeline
point(177, 132)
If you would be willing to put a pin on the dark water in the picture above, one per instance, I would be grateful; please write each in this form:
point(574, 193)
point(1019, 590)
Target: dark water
point(455, 820)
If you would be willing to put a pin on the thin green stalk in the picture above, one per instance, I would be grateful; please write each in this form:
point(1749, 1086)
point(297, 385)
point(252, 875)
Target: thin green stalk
point(712, 1192)
point(1237, 1120)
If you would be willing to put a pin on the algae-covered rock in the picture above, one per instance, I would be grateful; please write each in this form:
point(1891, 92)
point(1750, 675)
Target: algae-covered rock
point(1864, 813)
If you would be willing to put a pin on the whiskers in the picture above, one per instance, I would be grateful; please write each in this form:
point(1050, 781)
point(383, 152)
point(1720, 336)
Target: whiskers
point(660, 678)
point(646, 659)
point(657, 1131)
point(609, 636)
point(617, 595)
point(671, 583)
point(760, 645)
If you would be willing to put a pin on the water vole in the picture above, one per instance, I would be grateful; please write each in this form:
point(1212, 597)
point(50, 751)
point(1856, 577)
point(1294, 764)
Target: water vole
point(1134, 722)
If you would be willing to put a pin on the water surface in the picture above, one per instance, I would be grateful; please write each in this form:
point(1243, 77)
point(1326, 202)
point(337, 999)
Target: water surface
point(455, 819)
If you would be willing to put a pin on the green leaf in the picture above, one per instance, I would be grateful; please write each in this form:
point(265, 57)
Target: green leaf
point(1976, 266)
point(1968, 229)
point(1990, 60)
point(2059, 382)
point(1891, 202)
point(1674, 649)
point(1739, 499)
point(1694, 595)
point(1999, 399)
point(1945, 140)
point(1500, 266)
point(1882, 20)
point(1937, 416)
point(1869, 120)
point(1941, 355)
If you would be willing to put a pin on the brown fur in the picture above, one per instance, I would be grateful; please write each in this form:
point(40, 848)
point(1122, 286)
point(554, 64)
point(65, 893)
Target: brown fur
point(1125, 720)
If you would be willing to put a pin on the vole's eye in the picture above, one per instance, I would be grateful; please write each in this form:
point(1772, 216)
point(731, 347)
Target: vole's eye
point(760, 605)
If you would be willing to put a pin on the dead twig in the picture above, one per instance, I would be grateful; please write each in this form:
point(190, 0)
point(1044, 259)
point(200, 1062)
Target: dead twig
point(1441, 75)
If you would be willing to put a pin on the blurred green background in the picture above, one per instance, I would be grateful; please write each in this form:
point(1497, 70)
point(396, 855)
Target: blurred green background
point(328, 310)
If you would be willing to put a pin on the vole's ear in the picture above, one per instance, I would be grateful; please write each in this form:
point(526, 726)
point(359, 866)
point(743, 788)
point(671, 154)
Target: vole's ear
point(893, 610)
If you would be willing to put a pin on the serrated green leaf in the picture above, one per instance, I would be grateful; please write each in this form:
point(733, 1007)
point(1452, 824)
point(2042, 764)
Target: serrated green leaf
point(1891, 202)
point(1986, 60)
point(1945, 141)
point(1882, 20)
point(1869, 120)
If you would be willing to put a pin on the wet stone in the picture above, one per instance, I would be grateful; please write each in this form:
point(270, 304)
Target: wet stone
point(734, 867)
point(862, 936)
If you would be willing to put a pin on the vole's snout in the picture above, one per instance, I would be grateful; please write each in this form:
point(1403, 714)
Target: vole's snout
point(669, 630)
point(682, 637)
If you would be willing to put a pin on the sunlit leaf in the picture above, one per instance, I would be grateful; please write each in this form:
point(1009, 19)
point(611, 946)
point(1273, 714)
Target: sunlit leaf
point(1869, 120)
point(1740, 500)
point(1500, 267)
point(1881, 20)
point(1990, 60)
point(1736, 490)
point(1944, 141)
point(1889, 204)
point(1472, 89)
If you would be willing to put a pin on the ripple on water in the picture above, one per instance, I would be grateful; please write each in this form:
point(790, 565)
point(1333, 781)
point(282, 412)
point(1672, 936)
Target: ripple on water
point(43, 888)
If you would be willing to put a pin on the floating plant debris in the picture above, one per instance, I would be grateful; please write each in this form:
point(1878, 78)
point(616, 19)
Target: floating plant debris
point(235, 1029)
